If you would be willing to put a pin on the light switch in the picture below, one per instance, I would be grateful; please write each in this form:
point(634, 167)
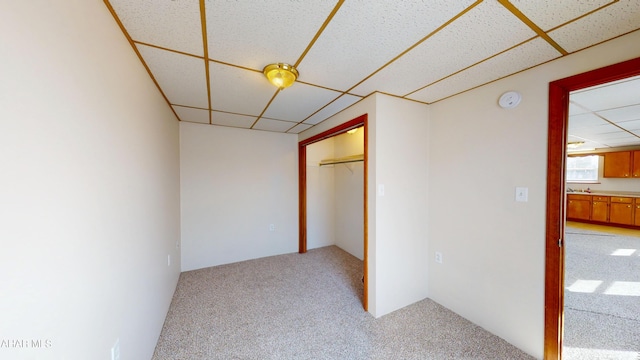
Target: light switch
point(380, 189)
point(522, 194)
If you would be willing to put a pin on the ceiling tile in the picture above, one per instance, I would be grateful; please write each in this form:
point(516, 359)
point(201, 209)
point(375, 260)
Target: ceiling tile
point(357, 45)
point(582, 121)
point(273, 125)
point(485, 30)
point(614, 20)
point(191, 114)
point(592, 132)
point(364, 36)
point(256, 33)
point(609, 96)
point(333, 108)
point(549, 14)
point(299, 128)
point(616, 135)
point(633, 126)
point(628, 141)
point(239, 90)
point(623, 114)
point(298, 102)
point(181, 77)
point(529, 54)
point(169, 24)
point(575, 109)
point(233, 120)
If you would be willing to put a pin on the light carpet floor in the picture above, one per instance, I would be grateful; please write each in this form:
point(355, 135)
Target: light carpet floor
point(309, 306)
point(602, 296)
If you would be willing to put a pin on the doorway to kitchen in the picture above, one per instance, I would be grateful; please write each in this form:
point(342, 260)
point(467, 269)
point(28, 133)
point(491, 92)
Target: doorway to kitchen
point(556, 166)
point(359, 122)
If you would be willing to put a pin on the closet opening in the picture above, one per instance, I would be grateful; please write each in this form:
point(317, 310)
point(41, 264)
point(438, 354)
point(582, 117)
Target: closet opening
point(348, 161)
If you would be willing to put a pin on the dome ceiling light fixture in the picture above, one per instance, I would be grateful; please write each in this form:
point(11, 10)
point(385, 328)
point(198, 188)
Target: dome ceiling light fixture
point(574, 144)
point(281, 75)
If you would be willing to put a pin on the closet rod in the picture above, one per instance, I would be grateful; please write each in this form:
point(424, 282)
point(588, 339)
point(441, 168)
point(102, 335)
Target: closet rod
point(343, 160)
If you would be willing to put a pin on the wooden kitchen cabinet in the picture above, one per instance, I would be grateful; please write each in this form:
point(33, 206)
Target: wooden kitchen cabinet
point(600, 208)
point(636, 164)
point(617, 164)
point(637, 212)
point(579, 207)
point(621, 210)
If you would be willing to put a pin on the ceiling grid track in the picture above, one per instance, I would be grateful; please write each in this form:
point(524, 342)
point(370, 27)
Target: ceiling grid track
point(467, 68)
point(265, 108)
point(203, 20)
point(304, 53)
point(509, 6)
point(417, 43)
point(166, 49)
point(319, 32)
point(135, 49)
point(583, 16)
point(595, 113)
point(385, 65)
point(422, 52)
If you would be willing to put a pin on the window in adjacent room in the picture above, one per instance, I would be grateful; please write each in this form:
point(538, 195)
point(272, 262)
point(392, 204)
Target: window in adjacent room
point(582, 169)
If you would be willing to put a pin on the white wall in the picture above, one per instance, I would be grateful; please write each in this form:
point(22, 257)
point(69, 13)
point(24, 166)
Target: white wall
point(402, 137)
point(493, 247)
point(89, 191)
point(349, 195)
point(235, 183)
point(321, 195)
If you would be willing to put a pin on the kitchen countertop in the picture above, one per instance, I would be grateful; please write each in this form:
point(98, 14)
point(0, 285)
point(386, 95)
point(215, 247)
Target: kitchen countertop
point(606, 193)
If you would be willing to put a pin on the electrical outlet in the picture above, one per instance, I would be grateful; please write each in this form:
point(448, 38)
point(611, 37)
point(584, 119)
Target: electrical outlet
point(438, 257)
point(177, 244)
point(115, 350)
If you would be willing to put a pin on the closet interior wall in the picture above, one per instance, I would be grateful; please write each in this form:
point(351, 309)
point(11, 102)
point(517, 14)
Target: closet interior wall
point(335, 195)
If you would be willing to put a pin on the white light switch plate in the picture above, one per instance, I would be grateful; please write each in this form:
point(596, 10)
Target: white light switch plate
point(115, 350)
point(522, 194)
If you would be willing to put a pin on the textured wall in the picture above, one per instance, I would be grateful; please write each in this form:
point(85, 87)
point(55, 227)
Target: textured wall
point(89, 191)
point(234, 184)
point(493, 247)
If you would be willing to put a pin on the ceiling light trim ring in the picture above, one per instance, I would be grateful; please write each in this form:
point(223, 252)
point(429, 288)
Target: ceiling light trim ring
point(281, 75)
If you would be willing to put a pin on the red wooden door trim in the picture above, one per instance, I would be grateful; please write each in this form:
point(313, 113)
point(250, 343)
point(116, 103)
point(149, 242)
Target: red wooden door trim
point(302, 189)
point(556, 153)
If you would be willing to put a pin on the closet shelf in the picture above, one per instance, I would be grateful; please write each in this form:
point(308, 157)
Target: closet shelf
point(343, 160)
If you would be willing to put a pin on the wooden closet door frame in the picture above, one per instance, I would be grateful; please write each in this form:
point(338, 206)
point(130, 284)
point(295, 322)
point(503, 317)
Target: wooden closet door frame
point(556, 154)
point(302, 189)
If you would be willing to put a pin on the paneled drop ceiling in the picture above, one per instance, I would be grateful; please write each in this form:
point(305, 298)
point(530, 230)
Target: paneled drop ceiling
point(207, 56)
point(605, 116)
